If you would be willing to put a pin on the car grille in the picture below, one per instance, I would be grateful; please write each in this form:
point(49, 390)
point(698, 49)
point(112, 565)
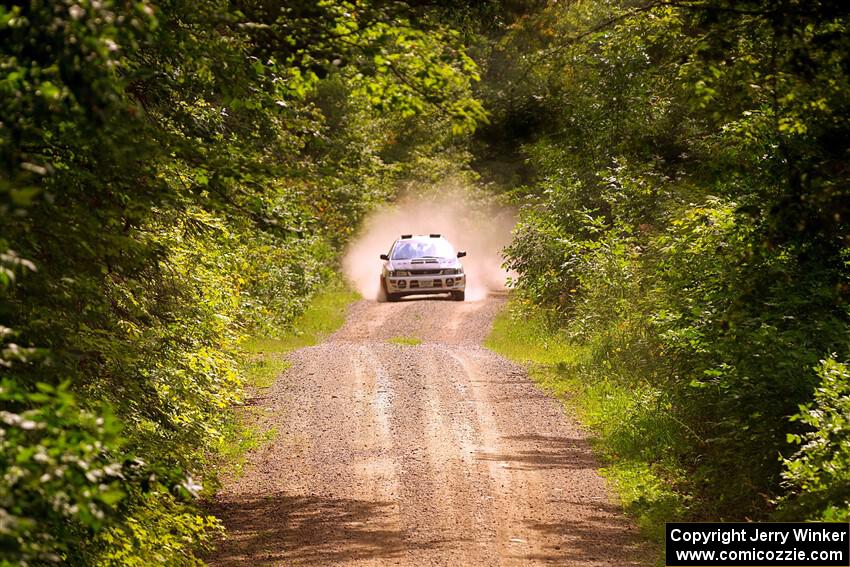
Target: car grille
point(424, 272)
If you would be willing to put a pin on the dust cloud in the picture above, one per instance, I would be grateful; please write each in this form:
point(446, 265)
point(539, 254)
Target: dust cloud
point(468, 221)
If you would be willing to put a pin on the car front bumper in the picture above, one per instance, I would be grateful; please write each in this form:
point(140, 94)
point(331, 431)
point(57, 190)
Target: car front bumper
point(415, 284)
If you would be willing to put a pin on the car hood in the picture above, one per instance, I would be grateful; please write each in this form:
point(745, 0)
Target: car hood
point(423, 264)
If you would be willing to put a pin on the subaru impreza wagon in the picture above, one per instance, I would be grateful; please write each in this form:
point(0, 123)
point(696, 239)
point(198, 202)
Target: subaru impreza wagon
point(422, 264)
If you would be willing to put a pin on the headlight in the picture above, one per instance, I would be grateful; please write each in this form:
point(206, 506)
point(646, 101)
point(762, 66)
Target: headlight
point(399, 273)
point(450, 271)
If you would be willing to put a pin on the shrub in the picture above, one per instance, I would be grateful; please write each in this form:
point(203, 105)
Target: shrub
point(817, 475)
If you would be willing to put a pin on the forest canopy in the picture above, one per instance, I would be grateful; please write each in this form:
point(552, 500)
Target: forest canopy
point(175, 175)
point(683, 172)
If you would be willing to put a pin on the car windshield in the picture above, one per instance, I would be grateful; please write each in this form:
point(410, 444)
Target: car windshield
point(433, 248)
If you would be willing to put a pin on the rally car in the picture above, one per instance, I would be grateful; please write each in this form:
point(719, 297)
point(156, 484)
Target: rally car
point(422, 264)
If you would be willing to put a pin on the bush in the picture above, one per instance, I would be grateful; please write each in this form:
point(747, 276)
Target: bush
point(173, 175)
point(63, 472)
point(683, 223)
point(817, 476)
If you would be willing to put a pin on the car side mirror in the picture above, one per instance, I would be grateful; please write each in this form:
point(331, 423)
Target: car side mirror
point(384, 257)
point(461, 254)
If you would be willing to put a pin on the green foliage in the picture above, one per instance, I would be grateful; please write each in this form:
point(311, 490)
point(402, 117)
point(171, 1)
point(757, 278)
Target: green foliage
point(62, 471)
point(684, 219)
point(324, 314)
point(527, 335)
point(405, 341)
point(161, 531)
point(426, 65)
point(175, 175)
point(818, 474)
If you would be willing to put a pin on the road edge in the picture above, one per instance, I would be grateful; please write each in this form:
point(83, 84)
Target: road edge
point(540, 356)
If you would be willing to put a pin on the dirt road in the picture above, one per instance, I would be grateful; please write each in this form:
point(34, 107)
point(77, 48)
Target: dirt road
point(438, 454)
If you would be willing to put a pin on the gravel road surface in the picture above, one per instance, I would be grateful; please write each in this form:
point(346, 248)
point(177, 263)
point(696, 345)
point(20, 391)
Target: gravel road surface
point(442, 453)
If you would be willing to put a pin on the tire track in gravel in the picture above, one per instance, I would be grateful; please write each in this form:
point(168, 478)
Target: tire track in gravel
point(438, 454)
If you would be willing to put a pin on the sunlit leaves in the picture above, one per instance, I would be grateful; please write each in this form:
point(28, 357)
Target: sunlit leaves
point(173, 175)
point(411, 70)
point(818, 473)
point(702, 146)
point(60, 468)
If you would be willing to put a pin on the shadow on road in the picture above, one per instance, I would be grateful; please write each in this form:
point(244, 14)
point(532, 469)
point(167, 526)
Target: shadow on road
point(601, 535)
point(541, 452)
point(295, 530)
point(276, 528)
